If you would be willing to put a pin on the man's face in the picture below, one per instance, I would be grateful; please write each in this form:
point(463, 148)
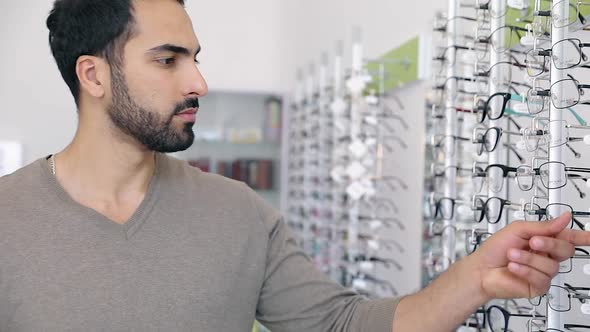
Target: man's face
point(158, 79)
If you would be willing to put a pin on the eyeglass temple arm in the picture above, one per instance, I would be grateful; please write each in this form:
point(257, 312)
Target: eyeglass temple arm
point(580, 192)
point(385, 261)
point(513, 149)
point(579, 118)
point(514, 122)
point(467, 18)
point(581, 214)
point(577, 169)
point(391, 115)
point(578, 223)
point(398, 222)
point(526, 315)
point(397, 100)
point(573, 288)
point(397, 179)
point(511, 133)
point(541, 190)
point(400, 141)
point(577, 155)
point(575, 326)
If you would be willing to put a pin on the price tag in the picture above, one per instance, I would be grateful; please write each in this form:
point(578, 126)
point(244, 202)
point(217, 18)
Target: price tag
point(585, 308)
point(367, 266)
point(372, 120)
point(373, 245)
point(355, 190)
point(359, 284)
point(355, 170)
point(357, 148)
point(372, 100)
point(356, 85)
point(375, 224)
point(338, 105)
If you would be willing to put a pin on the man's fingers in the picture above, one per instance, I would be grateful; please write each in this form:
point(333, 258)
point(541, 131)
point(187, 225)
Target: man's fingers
point(545, 265)
point(577, 238)
point(539, 282)
point(526, 230)
point(557, 249)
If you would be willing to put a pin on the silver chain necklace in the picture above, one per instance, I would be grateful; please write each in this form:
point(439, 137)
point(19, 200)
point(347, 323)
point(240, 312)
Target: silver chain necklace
point(52, 164)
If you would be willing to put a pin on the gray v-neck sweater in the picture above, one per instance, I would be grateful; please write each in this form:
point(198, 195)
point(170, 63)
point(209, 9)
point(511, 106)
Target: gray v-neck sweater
point(201, 253)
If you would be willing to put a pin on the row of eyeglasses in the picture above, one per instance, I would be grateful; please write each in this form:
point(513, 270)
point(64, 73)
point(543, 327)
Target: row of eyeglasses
point(339, 205)
point(503, 109)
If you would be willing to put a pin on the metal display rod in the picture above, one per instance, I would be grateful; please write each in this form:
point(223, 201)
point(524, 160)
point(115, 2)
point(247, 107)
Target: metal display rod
point(560, 8)
point(308, 160)
point(498, 78)
point(336, 251)
point(355, 131)
point(451, 131)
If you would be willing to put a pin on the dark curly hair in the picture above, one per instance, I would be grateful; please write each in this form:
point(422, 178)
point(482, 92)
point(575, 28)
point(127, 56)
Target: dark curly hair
point(89, 27)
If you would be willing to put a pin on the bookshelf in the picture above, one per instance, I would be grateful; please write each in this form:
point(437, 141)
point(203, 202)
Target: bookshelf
point(245, 127)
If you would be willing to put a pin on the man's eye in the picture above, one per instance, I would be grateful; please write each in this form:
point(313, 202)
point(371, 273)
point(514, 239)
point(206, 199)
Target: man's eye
point(166, 61)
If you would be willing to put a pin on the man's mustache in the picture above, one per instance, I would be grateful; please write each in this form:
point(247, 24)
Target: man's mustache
point(189, 103)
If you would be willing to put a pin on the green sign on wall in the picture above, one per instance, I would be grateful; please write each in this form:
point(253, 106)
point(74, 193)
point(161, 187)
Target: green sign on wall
point(401, 65)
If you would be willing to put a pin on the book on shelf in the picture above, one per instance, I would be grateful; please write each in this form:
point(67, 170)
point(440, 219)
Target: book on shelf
point(203, 164)
point(256, 173)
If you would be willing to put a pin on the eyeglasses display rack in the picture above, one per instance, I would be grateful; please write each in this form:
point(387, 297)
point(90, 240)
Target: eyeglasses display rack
point(340, 198)
point(506, 77)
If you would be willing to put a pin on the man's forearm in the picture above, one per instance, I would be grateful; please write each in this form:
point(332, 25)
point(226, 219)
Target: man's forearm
point(445, 303)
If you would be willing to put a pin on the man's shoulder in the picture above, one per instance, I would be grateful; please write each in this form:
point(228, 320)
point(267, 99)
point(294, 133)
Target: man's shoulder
point(21, 179)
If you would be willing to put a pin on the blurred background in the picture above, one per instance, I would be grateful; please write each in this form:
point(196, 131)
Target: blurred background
point(394, 136)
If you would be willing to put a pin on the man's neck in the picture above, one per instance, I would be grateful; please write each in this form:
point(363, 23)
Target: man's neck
point(103, 168)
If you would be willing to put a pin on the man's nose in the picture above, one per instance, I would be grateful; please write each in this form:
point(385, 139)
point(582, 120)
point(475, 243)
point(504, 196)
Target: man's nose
point(195, 83)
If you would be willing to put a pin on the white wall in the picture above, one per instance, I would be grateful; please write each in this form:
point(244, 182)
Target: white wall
point(36, 106)
point(314, 27)
point(242, 43)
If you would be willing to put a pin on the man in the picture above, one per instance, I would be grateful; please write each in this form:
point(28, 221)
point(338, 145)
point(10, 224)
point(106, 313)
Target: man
point(111, 234)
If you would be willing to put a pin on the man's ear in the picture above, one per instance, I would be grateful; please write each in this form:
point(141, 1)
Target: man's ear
point(91, 74)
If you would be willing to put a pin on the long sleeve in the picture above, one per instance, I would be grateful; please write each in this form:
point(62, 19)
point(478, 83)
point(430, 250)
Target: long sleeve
point(295, 296)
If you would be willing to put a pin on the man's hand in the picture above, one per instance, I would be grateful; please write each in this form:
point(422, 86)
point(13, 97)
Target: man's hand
point(520, 260)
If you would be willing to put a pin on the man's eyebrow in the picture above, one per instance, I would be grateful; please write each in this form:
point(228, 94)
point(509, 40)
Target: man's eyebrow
point(173, 48)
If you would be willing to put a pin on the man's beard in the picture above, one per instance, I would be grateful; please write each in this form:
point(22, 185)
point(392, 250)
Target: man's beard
point(151, 129)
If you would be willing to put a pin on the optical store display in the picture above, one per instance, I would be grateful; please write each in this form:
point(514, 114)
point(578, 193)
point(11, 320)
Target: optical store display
point(507, 139)
point(339, 194)
point(507, 125)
